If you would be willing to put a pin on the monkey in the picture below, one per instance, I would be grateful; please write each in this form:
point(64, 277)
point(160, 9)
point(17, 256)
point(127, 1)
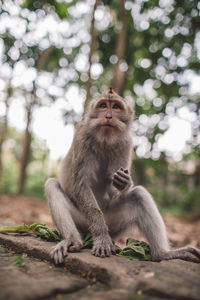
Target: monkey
point(95, 192)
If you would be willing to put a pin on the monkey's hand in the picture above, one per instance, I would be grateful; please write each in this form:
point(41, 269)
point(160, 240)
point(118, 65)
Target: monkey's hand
point(103, 246)
point(61, 250)
point(122, 179)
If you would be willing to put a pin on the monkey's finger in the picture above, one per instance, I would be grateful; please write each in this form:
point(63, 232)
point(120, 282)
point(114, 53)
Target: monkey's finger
point(118, 186)
point(122, 174)
point(120, 178)
point(107, 253)
point(102, 252)
point(98, 252)
point(124, 170)
point(111, 249)
point(107, 250)
point(120, 181)
point(94, 251)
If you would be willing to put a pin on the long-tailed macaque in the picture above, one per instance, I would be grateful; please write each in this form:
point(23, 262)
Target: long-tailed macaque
point(95, 191)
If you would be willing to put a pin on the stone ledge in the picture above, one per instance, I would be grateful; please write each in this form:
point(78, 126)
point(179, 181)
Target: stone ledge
point(107, 271)
point(174, 279)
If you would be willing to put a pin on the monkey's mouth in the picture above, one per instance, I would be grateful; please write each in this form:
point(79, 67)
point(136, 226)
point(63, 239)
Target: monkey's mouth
point(108, 125)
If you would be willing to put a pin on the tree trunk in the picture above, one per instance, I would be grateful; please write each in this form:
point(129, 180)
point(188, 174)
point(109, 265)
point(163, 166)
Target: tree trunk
point(43, 58)
point(28, 136)
point(25, 153)
point(139, 171)
point(165, 180)
point(197, 174)
point(92, 48)
point(3, 133)
point(119, 77)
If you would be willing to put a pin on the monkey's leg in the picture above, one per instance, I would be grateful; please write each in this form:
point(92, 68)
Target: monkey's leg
point(138, 208)
point(59, 206)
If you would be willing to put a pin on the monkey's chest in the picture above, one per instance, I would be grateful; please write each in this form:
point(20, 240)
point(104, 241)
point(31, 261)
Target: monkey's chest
point(99, 188)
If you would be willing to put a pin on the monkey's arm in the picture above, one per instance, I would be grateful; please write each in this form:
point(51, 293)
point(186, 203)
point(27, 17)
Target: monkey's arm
point(102, 243)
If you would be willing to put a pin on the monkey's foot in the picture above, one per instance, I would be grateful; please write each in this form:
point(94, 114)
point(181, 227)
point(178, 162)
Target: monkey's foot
point(103, 247)
point(188, 253)
point(61, 250)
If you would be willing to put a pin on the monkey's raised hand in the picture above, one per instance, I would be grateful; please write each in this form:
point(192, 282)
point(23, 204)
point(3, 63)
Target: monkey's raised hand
point(122, 180)
point(103, 246)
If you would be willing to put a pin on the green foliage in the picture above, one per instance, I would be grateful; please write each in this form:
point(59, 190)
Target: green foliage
point(37, 168)
point(173, 189)
point(87, 241)
point(19, 262)
point(61, 8)
point(134, 250)
point(36, 229)
point(169, 27)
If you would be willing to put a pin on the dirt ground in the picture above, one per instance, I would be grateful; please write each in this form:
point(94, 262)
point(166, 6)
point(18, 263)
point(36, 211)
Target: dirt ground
point(16, 210)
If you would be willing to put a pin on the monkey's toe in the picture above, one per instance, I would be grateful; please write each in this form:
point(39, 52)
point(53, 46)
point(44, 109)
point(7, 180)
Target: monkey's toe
point(58, 257)
point(75, 247)
point(193, 250)
point(59, 252)
point(190, 253)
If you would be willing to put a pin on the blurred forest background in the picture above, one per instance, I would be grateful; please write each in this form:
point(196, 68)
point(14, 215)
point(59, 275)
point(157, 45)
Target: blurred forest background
point(149, 51)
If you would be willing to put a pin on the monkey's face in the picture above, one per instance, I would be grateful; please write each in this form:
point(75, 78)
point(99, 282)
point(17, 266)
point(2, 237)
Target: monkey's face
point(109, 113)
point(109, 117)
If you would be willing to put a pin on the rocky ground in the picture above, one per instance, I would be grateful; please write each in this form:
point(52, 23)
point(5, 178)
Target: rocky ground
point(84, 276)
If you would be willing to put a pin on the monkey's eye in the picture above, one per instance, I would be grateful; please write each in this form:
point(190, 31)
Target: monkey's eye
point(116, 106)
point(103, 105)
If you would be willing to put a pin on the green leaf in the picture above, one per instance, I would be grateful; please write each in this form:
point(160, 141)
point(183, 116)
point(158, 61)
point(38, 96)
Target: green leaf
point(87, 242)
point(19, 261)
point(25, 4)
point(36, 229)
point(61, 9)
point(136, 250)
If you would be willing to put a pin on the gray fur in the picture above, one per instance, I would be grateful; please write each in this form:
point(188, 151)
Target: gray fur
point(95, 191)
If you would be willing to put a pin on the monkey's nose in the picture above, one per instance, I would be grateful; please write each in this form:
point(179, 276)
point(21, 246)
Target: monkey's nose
point(109, 117)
